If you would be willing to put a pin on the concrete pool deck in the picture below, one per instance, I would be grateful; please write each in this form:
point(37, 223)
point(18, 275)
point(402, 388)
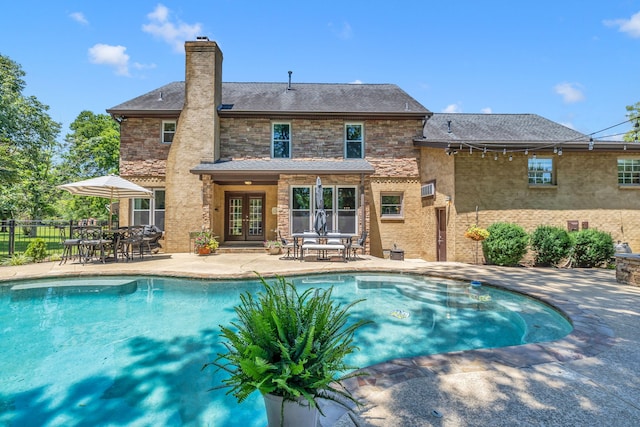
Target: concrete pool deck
point(591, 377)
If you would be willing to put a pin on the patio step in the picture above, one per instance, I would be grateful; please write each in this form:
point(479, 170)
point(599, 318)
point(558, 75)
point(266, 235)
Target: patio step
point(241, 248)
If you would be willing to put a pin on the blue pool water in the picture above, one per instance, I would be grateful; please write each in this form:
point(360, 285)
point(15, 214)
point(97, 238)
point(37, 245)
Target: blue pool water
point(128, 351)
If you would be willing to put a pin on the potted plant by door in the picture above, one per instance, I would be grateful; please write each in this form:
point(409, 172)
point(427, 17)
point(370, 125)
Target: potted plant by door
point(205, 243)
point(290, 347)
point(273, 247)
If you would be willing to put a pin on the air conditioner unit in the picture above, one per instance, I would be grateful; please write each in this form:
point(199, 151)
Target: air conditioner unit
point(428, 190)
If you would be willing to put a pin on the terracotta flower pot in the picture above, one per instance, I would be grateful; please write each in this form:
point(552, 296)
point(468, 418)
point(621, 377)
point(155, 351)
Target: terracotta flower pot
point(204, 251)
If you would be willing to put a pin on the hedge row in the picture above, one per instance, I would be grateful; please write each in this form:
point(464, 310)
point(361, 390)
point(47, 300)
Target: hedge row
point(508, 243)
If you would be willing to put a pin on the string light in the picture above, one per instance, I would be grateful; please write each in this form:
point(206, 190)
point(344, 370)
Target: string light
point(556, 149)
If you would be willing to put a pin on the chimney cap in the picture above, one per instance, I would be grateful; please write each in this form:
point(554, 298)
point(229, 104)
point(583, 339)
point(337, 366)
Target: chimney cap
point(205, 38)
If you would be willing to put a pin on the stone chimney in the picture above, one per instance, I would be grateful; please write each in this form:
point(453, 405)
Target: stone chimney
point(197, 139)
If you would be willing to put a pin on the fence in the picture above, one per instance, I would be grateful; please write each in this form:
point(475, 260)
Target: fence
point(15, 235)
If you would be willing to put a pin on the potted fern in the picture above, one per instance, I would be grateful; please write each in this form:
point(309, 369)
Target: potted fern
point(290, 347)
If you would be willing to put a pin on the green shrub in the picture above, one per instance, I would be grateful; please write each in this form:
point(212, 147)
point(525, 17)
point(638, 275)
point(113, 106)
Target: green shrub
point(17, 259)
point(37, 250)
point(592, 248)
point(551, 245)
point(506, 244)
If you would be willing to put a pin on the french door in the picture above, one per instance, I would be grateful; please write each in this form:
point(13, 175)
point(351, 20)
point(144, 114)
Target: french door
point(244, 216)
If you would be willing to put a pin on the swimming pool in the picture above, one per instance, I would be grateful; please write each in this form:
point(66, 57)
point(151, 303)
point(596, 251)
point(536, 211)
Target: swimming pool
point(129, 350)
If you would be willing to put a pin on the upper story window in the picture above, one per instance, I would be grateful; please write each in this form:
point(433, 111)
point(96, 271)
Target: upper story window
point(281, 140)
point(541, 171)
point(168, 131)
point(391, 205)
point(353, 141)
point(629, 171)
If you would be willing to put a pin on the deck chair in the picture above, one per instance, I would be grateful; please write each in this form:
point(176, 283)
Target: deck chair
point(359, 244)
point(287, 245)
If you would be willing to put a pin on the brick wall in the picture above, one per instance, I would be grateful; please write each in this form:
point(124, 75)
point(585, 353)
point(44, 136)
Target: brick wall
point(586, 191)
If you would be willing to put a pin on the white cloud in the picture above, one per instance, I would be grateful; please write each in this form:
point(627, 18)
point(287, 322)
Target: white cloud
point(173, 32)
point(343, 31)
point(113, 56)
point(139, 66)
point(629, 26)
point(356, 82)
point(453, 108)
point(486, 110)
point(570, 92)
point(79, 17)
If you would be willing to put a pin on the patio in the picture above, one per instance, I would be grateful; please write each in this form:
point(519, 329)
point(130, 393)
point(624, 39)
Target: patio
point(588, 378)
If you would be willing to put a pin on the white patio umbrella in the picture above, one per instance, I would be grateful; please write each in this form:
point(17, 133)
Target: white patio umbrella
point(108, 186)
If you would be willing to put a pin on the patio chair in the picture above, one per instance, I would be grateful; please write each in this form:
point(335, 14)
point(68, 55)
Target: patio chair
point(132, 241)
point(287, 245)
point(150, 236)
point(71, 245)
point(359, 244)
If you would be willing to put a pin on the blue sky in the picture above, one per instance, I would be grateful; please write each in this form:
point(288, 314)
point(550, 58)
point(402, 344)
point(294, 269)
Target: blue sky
point(575, 62)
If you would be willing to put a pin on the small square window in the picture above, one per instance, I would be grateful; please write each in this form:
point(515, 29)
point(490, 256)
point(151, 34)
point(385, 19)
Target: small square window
point(168, 131)
point(391, 205)
point(354, 141)
point(541, 171)
point(281, 140)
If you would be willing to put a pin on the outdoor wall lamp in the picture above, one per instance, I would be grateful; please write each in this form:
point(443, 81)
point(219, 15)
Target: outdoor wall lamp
point(247, 183)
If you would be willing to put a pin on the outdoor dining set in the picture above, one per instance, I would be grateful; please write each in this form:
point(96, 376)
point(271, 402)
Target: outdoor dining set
point(343, 245)
point(88, 243)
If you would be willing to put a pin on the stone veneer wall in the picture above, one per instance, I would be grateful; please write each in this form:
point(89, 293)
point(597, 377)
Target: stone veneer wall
point(628, 269)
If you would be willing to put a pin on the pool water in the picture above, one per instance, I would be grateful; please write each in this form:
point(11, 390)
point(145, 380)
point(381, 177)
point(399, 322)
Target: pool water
point(128, 351)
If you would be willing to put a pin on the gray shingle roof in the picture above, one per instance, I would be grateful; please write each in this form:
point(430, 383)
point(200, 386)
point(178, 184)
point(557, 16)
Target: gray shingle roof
point(513, 128)
point(276, 166)
point(255, 98)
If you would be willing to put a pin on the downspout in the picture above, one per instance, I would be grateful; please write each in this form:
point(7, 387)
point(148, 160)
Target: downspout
point(362, 203)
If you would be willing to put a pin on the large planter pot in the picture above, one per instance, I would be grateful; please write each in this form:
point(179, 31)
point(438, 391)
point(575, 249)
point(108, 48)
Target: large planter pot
point(274, 251)
point(204, 251)
point(296, 413)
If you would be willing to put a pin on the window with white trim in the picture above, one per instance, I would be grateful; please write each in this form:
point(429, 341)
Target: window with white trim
point(540, 171)
point(354, 140)
point(629, 171)
point(281, 140)
point(168, 131)
point(391, 205)
point(149, 211)
point(340, 205)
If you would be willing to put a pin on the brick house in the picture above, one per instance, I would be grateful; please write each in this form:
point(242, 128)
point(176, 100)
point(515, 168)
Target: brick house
point(242, 159)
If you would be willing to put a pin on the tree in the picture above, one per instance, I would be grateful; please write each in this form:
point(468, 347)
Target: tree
point(92, 149)
point(633, 113)
point(28, 135)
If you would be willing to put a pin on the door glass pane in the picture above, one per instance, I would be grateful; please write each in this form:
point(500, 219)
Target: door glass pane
point(255, 217)
point(300, 209)
point(327, 193)
point(347, 209)
point(235, 217)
